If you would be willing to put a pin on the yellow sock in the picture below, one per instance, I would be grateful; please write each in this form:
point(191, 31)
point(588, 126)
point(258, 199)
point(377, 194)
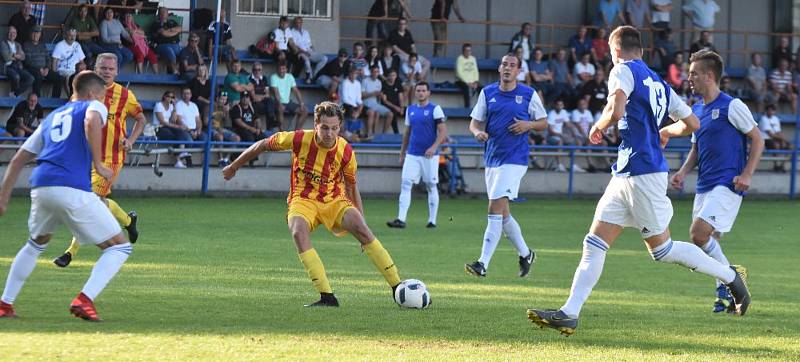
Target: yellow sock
point(119, 214)
point(73, 247)
point(316, 271)
point(383, 262)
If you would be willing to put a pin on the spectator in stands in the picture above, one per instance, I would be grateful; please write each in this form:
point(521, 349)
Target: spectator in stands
point(383, 9)
point(23, 21)
point(67, 54)
point(524, 75)
point(283, 37)
point(582, 120)
point(725, 86)
point(440, 13)
point(601, 54)
point(467, 74)
point(36, 63)
point(557, 119)
point(677, 71)
point(236, 82)
point(374, 60)
point(637, 13)
point(201, 90)
point(782, 51)
point(189, 115)
point(87, 31)
point(542, 77)
point(169, 127)
point(389, 60)
point(701, 13)
point(79, 67)
point(227, 53)
point(166, 34)
point(263, 104)
point(266, 47)
point(359, 59)
point(774, 139)
point(523, 38)
point(403, 44)
point(704, 43)
point(412, 74)
point(283, 86)
point(664, 48)
point(350, 95)
point(608, 13)
point(393, 97)
point(244, 120)
point(584, 70)
point(221, 126)
point(562, 77)
point(13, 57)
point(781, 88)
point(190, 58)
point(661, 10)
point(685, 92)
point(332, 73)
point(112, 33)
point(595, 92)
point(579, 43)
point(371, 94)
point(139, 45)
point(305, 50)
point(27, 116)
point(757, 80)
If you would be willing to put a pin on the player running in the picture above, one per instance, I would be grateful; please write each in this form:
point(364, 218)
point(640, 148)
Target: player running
point(508, 111)
point(323, 191)
point(637, 194)
point(66, 146)
point(121, 103)
point(719, 149)
point(425, 131)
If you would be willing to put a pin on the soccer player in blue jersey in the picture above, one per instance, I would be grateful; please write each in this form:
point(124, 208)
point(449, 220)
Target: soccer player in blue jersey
point(639, 102)
point(65, 146)
point(419, 154)
point(504, 114)
point(719, 150)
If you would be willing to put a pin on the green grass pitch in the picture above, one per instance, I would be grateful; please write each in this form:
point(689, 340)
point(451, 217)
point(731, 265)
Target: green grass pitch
point(219, 279)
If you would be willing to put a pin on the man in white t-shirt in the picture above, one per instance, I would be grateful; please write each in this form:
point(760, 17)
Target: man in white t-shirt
point(371, 94)
point(582, 120)
point(189, 115)
point(67, 53)
point(774, 139)
point(557, 119)
point(584, 70)
point(350, 95)
point(304, 50)
point(283, 36)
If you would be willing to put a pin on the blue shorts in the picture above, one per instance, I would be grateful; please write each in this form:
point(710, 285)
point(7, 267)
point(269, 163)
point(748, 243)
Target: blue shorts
point(353, 125)
point(227, 135)
point(3, 132)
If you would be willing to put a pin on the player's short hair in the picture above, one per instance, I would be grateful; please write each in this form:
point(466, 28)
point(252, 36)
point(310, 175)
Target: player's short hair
point(627, 38)
point(327, 109)
point(425, 84)
point(103, 56)
point(709, 61)
point(512, 55)
point(85, 81)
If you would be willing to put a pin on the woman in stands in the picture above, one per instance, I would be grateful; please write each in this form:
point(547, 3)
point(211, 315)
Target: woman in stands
point(677, 71)
point(201, 90)
point(374, 60)
point(139, 47)
point(112, 33)
point(389, 61)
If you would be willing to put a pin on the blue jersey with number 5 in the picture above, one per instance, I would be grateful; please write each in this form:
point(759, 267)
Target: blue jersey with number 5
point(64, 156)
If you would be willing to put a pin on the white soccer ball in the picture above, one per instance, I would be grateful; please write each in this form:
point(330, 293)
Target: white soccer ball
point(412, 293)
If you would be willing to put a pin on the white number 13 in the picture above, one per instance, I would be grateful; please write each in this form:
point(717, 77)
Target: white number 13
point(658, 98)
point(61, 126)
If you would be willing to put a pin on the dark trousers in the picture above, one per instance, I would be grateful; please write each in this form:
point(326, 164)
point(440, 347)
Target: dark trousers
point(20, 79)
point(52, 77)
point(376, 26)
point(467, 93)
point(173, 134)
point(248, 136)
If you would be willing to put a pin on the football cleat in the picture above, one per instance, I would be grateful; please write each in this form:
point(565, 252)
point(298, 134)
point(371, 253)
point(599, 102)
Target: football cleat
point(526, 262)
point(555, 319)
point(63, 260)
point(133, 233)
point(430, 225)
point(396, 223)
point(477, 269)
point(325, 300)
point(83, 308)
point(7, 310)
point(724, 301)
point(739, 290)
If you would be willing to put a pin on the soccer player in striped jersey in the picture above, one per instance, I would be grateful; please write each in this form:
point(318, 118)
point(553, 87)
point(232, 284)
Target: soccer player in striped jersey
point(719, 150)
point(121, 104)
point(323, 191)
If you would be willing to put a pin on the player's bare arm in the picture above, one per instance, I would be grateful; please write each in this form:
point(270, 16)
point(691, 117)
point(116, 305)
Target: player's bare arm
point(354, 196)
point(475, 128)
point(676, 181)
point(94, 135)
point(742, 182)
point(404, 146)
point(250, 153)
point(138, 128)
point(20, 159)
point(441, 136)
point(682, 128)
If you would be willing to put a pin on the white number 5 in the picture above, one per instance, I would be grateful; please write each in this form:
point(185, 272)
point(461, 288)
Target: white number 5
point(62, 125)
point(658, 98)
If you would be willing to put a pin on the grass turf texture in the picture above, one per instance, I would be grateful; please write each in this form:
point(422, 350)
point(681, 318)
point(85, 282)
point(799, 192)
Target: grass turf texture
point(219, 279)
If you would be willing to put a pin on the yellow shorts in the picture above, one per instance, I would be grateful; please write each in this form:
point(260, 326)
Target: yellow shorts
point(101, 186)
point(315, 213)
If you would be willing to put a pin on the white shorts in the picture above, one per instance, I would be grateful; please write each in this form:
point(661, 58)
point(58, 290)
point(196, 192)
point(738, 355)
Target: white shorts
point(503, 181)
point(416, 167)
point(637, 201)
point(84, 214)
point(717, 207)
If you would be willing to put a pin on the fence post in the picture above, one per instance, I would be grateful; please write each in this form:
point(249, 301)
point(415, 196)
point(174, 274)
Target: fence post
point(214, 61)
point(571, 172)
point(793, 176)
point(452, 168)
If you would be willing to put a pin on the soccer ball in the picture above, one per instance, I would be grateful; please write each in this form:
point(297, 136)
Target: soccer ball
point(412, 293)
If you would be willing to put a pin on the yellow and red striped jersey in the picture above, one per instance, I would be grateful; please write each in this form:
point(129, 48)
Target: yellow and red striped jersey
point(121, 103)
point(318, 173)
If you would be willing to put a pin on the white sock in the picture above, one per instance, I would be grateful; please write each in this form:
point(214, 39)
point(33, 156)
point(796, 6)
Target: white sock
point(405, 199)
point(106, 267)
point(692, 257)
point(586, 275)
point(714, 250)
point(21, 268)
point(494, 228)
point(514, 233)
point(433, 202)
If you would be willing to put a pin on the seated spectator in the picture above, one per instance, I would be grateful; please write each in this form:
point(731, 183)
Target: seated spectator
point(685, 92)
point(524, 75)
point(359, 60)
point(609, 14)
point(403, 45)
point(283, 86)
point(265, 47)
point(584, 70)
point(66, 55)
point(412, 74)
point(780, 87)
point(467, 74)
point(139, 46)
point(774, 139)
point(332, 73)
point(542, 77)
point(350, 95)
point(201, 91)
point(169, 127)
point(601, 54)
point(227, 53)
point(389, 60)
point(782, 51)
point(524, 39)
point(704, 43)
point(557, 119)
point(236, 82)
point(27, 116)
point(637, 13)
point(579, 43)
point(79, 67)
point(677, 71)
point(582, 121)
point(664, 48)
point(661, 10)
point(112, 33)
point(165, 33)
point(702, 13)
point(23, 21)
point(374, 60)
point(757, 80)
point(189, 115)
point(13, 57)
point(370, 94)
point(263, 103)
point(725, 86)
point(595, 92)
point(393, 97)
point(87, 31)
point(221, 127)
point(283, 38)
point(562, 77)
point(244, 120)
point(190, 58)
point(36, 63)
point(305, 51)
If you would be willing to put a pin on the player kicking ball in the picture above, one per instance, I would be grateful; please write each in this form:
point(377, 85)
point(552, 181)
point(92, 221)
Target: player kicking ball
point(419, 154)
point(507, 111)
point(639, 101)
point(65, 146)
point(323, 191)
point(719, 150)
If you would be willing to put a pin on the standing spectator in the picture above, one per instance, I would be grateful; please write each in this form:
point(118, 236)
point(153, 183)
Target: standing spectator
point(393, 97)
point(370, 94)
point(781, 88)
point(389, 60)
point(244, 120)
point(403, 44)
point(263, 104)
point(542, 77)
point(190, 58)
point(608, 12)
point(664, 48)
point(221, 126)
point(562, 77)
point(579, 43)
point(13, 57)
point(677, 71)
point(557, 119)
point(595, 92)
point(166, 34)
point(383, 9)
point(23, 21)
point(584, 70)
point(189, 115)
point(782, 51)
point(283, 86)
point(467, 75)
point(112, 34)
point(169, 127)
point(27, 116)
point(774, 139)
point(332, 73)
point(305, 50)
point(523, 38)
point(139, 45)
point(704, 43)
point(283, 37)
point(524, 75)
point(661, 10)
point(227, 53)
point(637, 13)
point(66, 55)
point(757, 80)
point(36, 63)
point(236, 82)
point(701, 13)
point(601, 54)
point(350, 95)
point(201, 91)
point(440, 14)
point(87, 31)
